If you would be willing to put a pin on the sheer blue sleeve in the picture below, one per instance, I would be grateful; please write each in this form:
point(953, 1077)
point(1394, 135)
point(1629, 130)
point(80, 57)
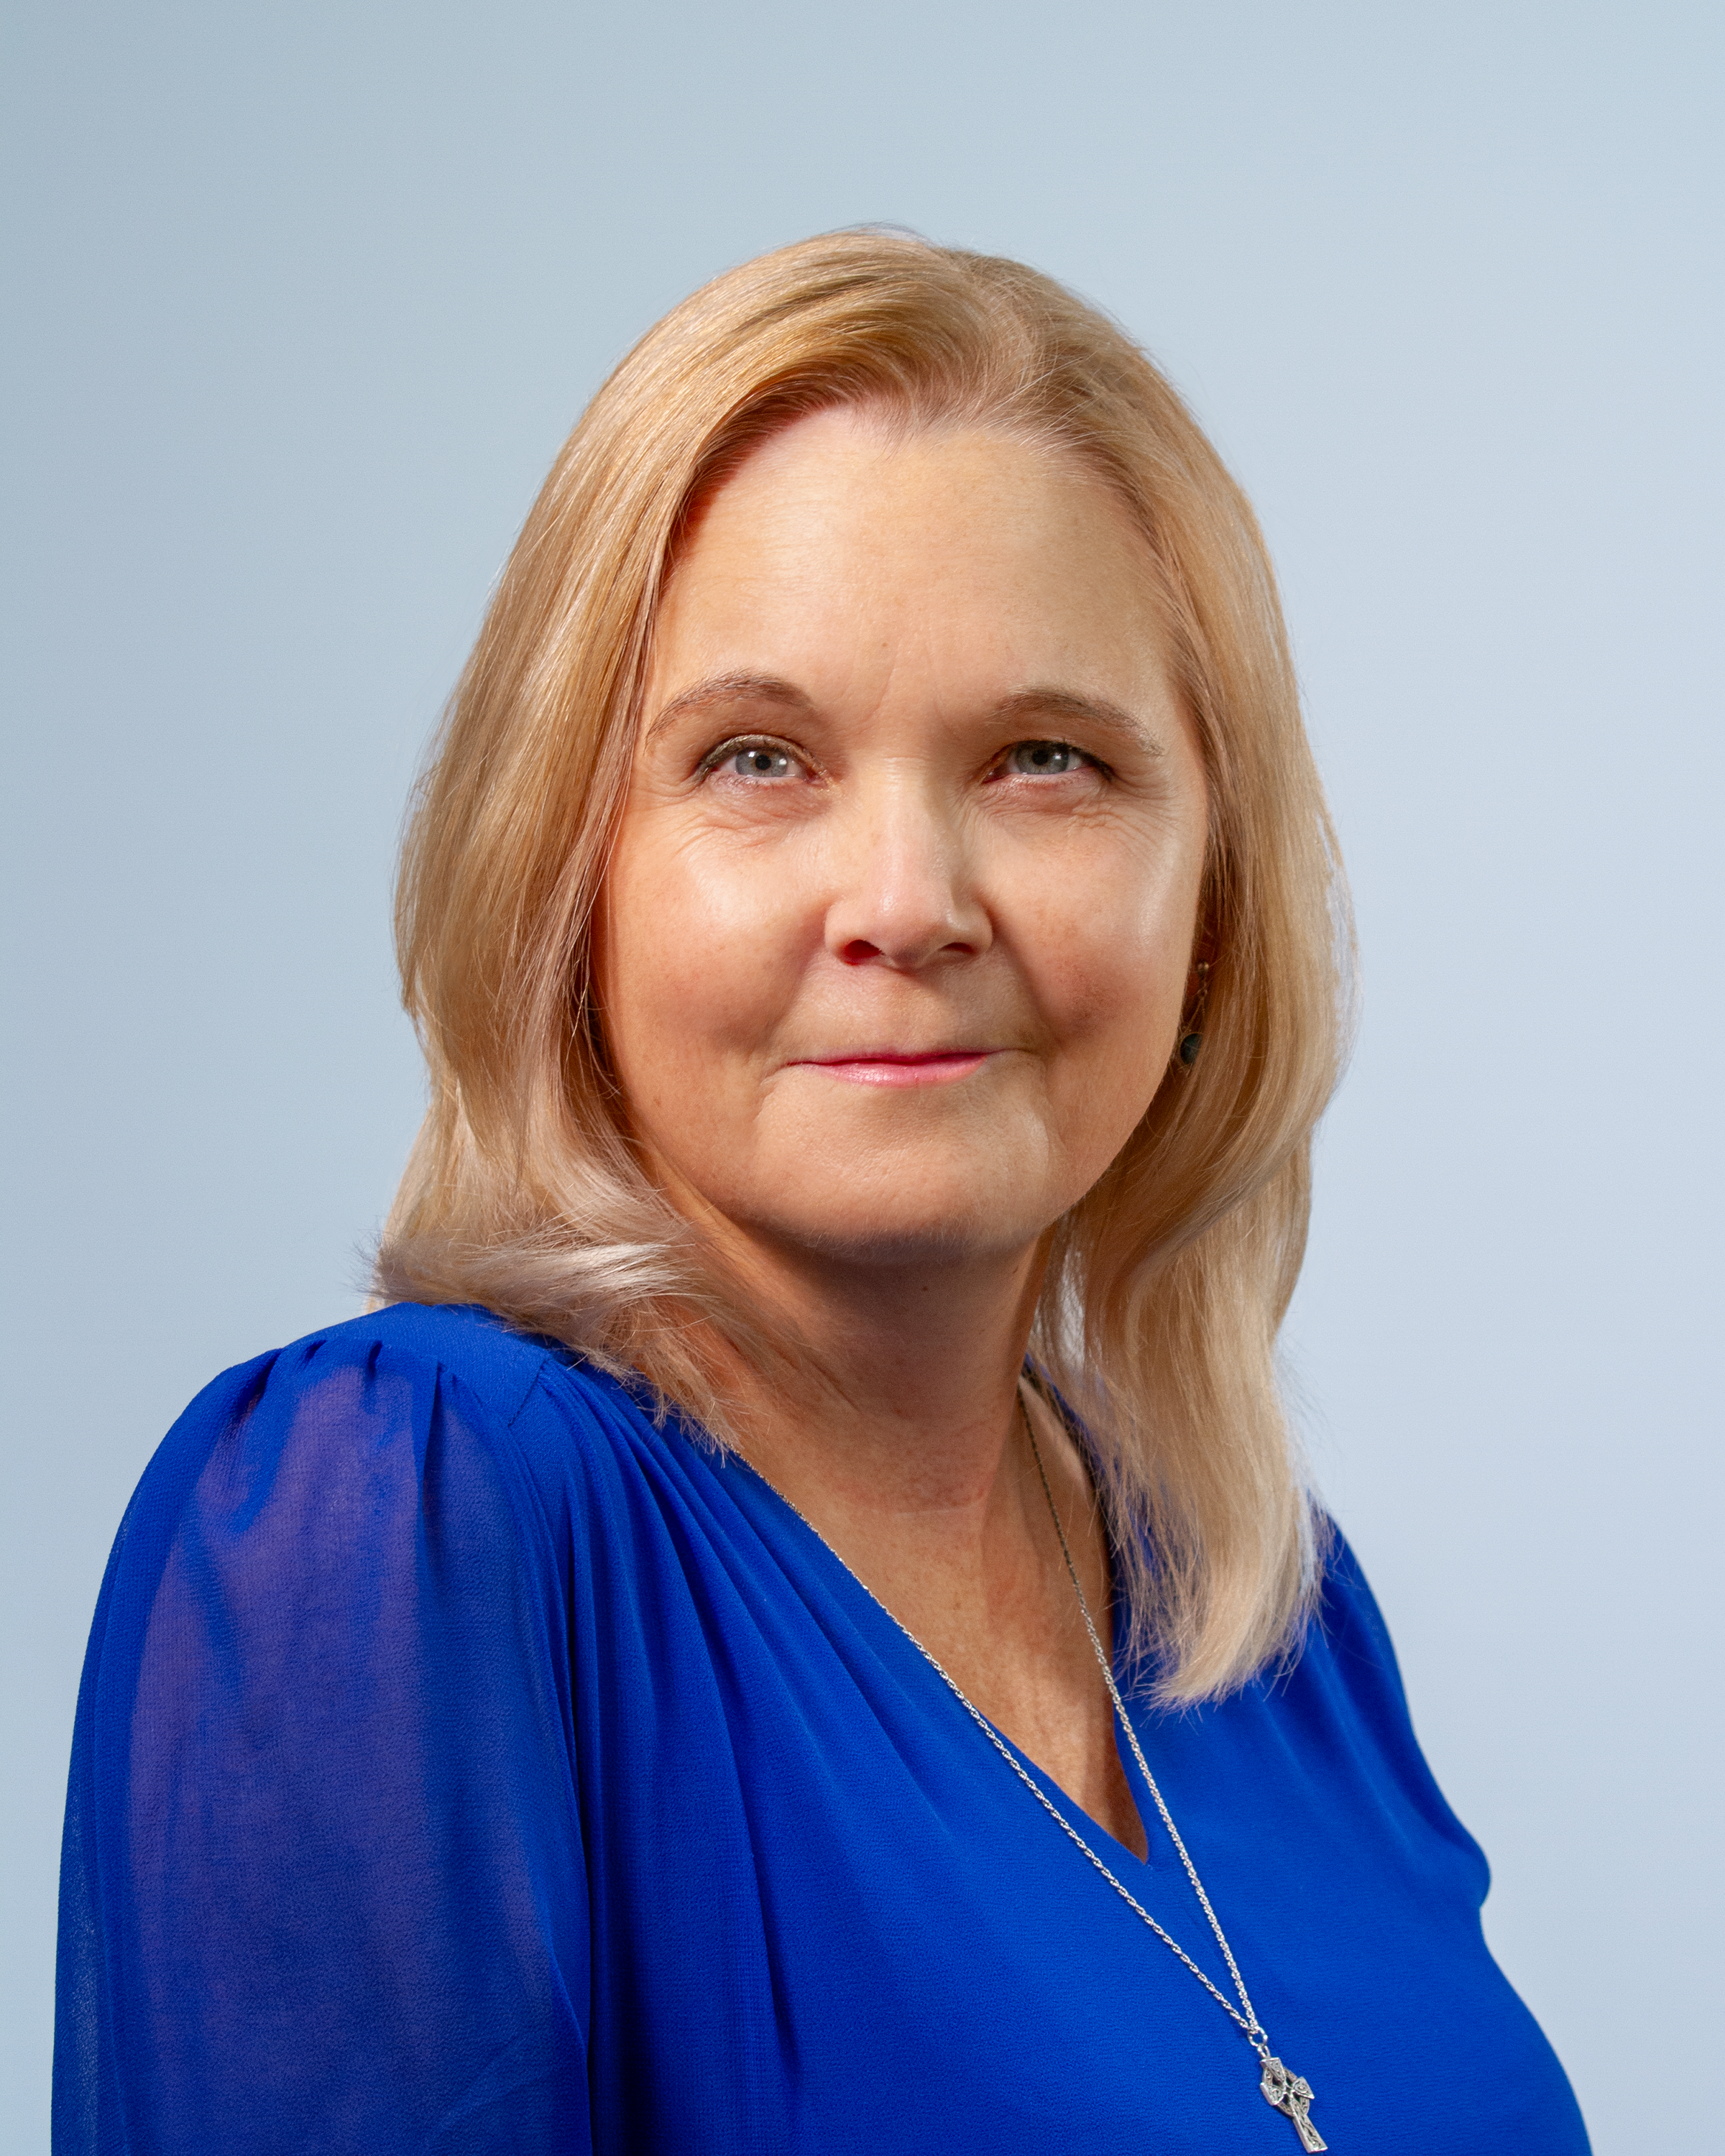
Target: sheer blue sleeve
point(323, 1888)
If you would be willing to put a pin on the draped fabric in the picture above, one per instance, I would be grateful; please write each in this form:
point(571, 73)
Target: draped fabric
point(464, 1764)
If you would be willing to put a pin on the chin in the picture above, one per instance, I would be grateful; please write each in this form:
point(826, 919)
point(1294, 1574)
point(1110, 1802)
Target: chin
point(916, 1226)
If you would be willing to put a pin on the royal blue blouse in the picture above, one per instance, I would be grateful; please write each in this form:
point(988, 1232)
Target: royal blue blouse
point(466, 1765)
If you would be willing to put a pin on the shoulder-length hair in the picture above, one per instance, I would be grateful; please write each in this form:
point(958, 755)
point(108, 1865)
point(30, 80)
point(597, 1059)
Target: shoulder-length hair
point(1166, 1283)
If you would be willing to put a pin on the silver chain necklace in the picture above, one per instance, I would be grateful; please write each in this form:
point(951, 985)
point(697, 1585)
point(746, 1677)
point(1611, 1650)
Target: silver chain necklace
point(1289, 2092)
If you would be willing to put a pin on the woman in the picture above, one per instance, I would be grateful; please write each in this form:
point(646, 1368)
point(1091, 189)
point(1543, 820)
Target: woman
point(796, 1624)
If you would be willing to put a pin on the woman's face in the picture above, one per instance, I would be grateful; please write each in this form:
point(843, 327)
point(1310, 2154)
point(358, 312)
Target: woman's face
point(896, 938)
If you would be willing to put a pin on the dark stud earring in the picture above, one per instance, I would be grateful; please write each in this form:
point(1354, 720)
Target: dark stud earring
point(1191, 1040)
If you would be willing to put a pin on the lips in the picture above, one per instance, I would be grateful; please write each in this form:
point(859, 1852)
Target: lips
point(894, 1067)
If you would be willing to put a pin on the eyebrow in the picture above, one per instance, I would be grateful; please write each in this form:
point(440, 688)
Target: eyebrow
point(1088, 711)
point(1024, 704)
point(725, 689)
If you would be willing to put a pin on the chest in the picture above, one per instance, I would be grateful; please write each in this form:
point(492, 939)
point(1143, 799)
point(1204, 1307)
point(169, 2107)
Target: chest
point(827, 1915)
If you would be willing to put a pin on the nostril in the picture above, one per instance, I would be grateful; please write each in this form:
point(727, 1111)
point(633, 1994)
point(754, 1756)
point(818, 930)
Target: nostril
point(857, 952)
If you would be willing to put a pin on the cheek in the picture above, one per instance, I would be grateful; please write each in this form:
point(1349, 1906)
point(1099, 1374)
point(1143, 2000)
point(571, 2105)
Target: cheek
point(1107, 956)
point(1109, 946)
point(698, 958)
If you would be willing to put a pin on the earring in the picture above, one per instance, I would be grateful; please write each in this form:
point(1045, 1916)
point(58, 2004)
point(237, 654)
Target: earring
point(1191, 1040)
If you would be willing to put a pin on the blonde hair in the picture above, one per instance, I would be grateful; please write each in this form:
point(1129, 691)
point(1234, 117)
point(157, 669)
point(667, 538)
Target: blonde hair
point(1165, 1285)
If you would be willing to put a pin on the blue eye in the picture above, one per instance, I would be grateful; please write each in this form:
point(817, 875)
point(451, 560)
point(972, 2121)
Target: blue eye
point(760, 760)
point(1045, 759)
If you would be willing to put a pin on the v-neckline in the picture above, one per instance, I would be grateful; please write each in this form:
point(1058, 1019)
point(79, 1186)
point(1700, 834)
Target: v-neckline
point(1056, 1791)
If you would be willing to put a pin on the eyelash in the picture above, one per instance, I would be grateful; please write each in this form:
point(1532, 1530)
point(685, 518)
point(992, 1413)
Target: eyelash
point(1071, 748)
point(742, 744)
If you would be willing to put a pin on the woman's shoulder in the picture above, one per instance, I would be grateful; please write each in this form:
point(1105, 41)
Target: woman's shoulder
point(494, 1361)
point(399, 1351)
point(1348, 1618)
point(386, 1412)
point(1346, 1687)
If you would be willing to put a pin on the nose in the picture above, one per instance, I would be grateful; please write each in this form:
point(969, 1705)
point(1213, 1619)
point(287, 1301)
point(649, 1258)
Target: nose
point(905, 894)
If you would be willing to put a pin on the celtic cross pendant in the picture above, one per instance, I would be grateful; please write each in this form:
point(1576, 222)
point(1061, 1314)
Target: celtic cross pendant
point(1291, 2095)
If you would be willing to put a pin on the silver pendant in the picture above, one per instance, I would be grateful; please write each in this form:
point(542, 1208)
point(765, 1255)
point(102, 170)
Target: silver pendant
point(1291, 2095)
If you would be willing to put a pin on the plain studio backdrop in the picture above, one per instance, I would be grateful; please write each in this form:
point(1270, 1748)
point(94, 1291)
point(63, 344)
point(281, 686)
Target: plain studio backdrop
point(303, 299)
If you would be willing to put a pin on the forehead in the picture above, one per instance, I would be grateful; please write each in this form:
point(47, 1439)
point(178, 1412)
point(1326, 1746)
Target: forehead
point(847, 543)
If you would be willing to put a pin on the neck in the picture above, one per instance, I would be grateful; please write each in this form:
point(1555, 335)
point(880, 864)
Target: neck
point(901, 1396)
point(889, 1417)
point(892, 1424)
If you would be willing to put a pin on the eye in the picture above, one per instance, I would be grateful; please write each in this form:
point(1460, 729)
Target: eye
point(1044, 759)
point(753, 760)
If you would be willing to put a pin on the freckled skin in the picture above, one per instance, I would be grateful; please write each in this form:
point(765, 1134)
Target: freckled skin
point(894, 880)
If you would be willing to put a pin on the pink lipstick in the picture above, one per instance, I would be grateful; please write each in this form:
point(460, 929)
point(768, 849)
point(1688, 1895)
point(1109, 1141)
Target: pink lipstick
point(938, 1066)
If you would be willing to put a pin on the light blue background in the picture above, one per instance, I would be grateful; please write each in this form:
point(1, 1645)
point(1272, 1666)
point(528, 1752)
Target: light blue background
point(305, 298)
